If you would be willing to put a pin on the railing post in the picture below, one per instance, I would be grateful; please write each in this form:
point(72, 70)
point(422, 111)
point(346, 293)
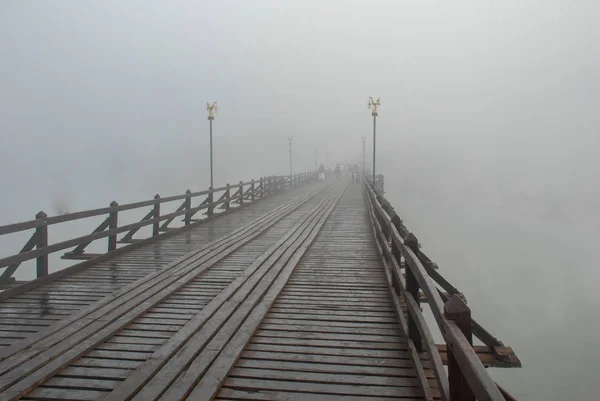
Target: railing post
point(412, 287)
point(397, 256)
point(456, 309)
point(227, 197)
point(156, 215)
point(209, 210)
point(262, 187)
point(241, 199)
point(188, 206)
point(252, 190)
point(113, 222)
point(41, 234)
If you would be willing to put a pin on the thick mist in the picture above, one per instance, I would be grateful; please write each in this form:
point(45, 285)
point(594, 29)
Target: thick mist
point(487, 134)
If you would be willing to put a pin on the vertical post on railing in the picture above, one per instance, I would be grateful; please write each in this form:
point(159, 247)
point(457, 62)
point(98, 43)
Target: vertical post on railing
point(241, 201)
point(412, 287)
point(227, 197)
point(113, 223)
point(456, 309)
point(41, 234)
point(252, 190)
point(156, 215)
point(188, 206)
point(209, 210)
point(261, 186)
point(397, 256)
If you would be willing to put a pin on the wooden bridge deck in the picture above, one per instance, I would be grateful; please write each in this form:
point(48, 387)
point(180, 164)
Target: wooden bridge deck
point(36, 309)
point(332, 333)
point(284, 299)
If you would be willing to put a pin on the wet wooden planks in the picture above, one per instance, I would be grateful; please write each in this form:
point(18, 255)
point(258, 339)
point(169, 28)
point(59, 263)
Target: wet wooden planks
point(332, 333)
point(34, 310)
point(106, 365)
point(328, 333)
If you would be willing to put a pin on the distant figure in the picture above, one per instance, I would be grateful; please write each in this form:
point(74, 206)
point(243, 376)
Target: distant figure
point(321, 173)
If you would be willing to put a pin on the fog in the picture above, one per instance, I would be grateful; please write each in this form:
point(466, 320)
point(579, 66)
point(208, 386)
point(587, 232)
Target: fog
point(487, 134)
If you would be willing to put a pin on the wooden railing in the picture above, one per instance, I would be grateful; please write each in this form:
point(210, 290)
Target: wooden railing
point(38, 246)
point(411, 272)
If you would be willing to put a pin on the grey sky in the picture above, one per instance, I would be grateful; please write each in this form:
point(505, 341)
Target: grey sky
point(486, 106)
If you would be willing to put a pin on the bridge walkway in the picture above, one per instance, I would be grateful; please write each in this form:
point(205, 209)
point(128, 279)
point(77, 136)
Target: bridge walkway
point(49, 301)
point(294, 304)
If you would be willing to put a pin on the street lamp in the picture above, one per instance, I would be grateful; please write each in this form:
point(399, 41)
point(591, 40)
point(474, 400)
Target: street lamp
point(373, 105)
point(212, 109)
point(364, 140)
point(290, 143)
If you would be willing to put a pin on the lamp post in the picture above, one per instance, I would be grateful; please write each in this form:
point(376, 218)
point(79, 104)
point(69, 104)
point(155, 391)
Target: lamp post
point(364, 141)
point(290, 143)
point(373, 105)
point(212, 109)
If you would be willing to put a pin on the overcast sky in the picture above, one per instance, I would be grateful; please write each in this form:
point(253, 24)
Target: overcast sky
point(490, 105)
point(112, 93)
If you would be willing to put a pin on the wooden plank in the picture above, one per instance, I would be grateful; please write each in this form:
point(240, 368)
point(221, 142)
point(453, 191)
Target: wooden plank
point(350, 318)
point(331, 343)
point(104, 363)
point(349, 325)
point(82, 383)
point(94, 373)
point(344, 336)
point(325, 388)
point(271, 395)
point(119, 355)
point(333, 330)
point(62, 394)
point(322, 377)
point(350, 352)
point(118, 339)
point(306, 366)
point(126, 347)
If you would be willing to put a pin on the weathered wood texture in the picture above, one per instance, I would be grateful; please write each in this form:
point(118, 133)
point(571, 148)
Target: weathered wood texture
point(135, 341)
point(28, 313)
point(285, 299)
point(332, 333)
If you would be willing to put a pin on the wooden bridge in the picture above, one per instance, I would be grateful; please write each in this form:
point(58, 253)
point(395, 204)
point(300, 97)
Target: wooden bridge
point(283, 288)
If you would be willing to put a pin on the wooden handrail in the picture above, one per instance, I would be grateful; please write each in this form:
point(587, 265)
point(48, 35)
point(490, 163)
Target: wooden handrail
point(480, 384)
point(110, 229)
